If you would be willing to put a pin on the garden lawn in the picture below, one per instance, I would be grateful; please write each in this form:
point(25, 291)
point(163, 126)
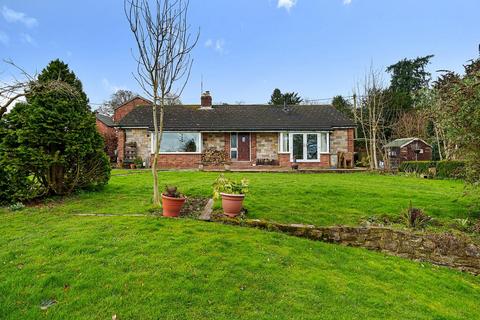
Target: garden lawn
point(320, 199)
point(155, 268)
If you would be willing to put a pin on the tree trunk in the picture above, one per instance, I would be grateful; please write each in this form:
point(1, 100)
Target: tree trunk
point(156, 195)
point(374, 147)
point(438, 142)
point(158, 125)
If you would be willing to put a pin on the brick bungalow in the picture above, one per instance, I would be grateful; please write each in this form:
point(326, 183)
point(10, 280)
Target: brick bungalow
point(310, 135)
point(105, 125)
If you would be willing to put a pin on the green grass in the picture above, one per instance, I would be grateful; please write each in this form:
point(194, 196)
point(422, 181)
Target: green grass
point(155, 268)
point(320, 199)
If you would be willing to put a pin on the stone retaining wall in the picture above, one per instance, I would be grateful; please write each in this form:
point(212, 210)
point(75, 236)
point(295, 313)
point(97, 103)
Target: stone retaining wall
point(441, 249)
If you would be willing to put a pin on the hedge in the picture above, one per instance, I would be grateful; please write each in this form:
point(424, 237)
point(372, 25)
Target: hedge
point(446, 169)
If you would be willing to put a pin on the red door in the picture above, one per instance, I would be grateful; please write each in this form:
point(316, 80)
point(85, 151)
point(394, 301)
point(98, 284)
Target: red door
point(243, 147)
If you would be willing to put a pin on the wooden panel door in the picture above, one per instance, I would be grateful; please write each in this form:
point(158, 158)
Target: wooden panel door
point(243, 147)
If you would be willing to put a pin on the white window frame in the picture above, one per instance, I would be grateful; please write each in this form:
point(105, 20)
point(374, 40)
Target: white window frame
point(231, 148)
point(319, 142)
point(200, 143)
point(281, 145)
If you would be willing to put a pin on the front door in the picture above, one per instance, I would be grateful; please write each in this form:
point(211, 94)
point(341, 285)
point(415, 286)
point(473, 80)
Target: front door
point(243, 147)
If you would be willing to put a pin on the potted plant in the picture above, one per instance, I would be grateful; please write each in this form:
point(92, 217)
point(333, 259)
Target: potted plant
point(138, 162)
point(232, 193)
point(172, 201)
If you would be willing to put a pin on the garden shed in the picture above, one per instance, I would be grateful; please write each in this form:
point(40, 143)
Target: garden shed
point(408, 149)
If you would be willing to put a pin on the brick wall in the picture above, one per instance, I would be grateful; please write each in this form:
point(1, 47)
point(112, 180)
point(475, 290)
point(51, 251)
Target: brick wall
point(120, 146)
point(104, 129)
point(122, 111)
point(178, 161)
point(284, 160)
point(267, 145)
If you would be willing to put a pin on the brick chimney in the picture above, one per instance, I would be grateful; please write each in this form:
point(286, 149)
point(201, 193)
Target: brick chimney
point(206, 100)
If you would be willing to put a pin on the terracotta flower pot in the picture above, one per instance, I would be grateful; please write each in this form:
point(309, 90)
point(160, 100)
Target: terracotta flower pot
point(172, 206)
point(232, 204)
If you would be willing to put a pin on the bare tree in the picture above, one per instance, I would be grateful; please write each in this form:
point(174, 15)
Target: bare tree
point(12, 91)
point(369, 112)
point(116, 99)
point(164, 44)
point(412, 124)
point(172, 100)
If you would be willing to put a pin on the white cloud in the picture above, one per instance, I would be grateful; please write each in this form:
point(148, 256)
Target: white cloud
point(4, 38)
point(26, 38)
point(208, 43)
point(110, 87)
point(15, 16)
point(217, 45)
point(347, 2)
point(287, 4)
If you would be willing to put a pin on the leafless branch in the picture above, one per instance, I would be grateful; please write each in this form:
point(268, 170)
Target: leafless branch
point(12, 91)
point(164, 45)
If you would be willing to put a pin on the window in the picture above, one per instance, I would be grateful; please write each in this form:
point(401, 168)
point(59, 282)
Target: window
point(324, 146)
point(233, 145)
point(284, 142)
point(312, 146)
point(308, 146)
point(297, 143)
point(178, 142)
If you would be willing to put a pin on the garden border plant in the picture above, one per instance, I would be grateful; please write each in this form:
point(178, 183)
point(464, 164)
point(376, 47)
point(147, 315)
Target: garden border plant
point(232, 192)
point(172, 201)
point(445, 169)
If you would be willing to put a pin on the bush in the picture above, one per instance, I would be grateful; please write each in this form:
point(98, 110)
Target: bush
point(415, 218)
point(138, 162)
point(49, 144)
point(446, 169)
point(16, 206)
point(14, 186)
point(451, 169)
point(418, 167)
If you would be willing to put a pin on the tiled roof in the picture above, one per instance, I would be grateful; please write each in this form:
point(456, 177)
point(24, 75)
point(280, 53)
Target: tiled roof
point(241, 118)
point(105, 119)
point(401, 142)
point(134, 98)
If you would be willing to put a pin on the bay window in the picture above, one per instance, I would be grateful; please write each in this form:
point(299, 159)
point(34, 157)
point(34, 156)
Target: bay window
point(307, 147)
point(178, 142)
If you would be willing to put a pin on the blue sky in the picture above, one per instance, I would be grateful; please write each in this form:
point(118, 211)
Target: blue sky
point(247, 48)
